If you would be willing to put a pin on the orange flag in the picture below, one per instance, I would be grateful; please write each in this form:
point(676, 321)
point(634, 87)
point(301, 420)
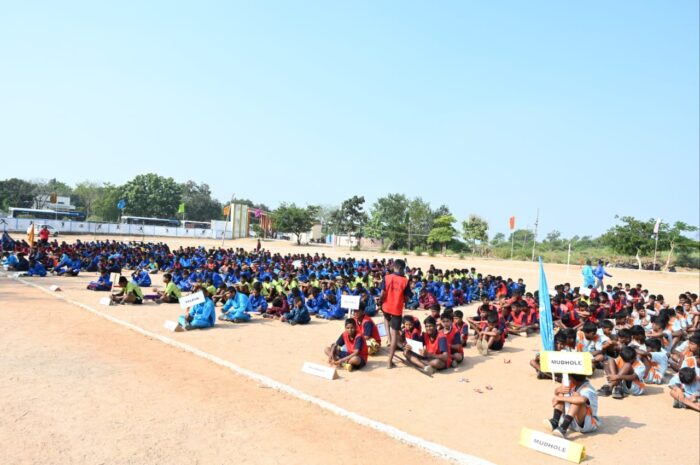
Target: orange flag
point(511, 223)
point(30, 235)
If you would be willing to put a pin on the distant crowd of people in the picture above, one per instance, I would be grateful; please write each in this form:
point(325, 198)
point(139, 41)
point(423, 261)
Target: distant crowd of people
point(636, 337)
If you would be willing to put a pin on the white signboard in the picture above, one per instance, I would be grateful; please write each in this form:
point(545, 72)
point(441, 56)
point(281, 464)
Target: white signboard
point(566, 362)
point(187, 301)
point(319, 370)
point(381, 327)
point(105, 301)
point(585, 291)
point(416, 346)
point(351, 302)
point(296, 264)
point(552, 445)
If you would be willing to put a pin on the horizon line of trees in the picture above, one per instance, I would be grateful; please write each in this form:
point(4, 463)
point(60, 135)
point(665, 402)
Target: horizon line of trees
point(404, 223)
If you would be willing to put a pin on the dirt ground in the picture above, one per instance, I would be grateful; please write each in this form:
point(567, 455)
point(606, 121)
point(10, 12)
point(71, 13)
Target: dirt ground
point(79, 389)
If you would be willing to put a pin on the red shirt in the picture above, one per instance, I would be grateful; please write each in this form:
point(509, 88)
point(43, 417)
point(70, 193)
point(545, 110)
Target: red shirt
point(44, 234)
point(394, 289)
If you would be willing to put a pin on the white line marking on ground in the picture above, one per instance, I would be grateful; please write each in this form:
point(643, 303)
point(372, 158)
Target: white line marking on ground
point(391, 431)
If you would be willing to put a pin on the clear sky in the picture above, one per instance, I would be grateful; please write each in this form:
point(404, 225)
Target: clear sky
point(583, 109)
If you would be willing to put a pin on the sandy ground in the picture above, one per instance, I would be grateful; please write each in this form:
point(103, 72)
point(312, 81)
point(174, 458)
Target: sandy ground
point(79, 389)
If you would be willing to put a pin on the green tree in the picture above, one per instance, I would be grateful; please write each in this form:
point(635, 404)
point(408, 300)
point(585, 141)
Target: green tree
point(674, 238)
point(17, 193)
point(250, 204)
point(443, 232)
point(388, 220)
point(420, 221)
point(152, 195)
point(199, 204)
point(475, 229)
point(292, 219)
point(104, 208)
point(43, 190)
point(86, 194)
point(633, 237)
point(498, 239)
point(350, 218)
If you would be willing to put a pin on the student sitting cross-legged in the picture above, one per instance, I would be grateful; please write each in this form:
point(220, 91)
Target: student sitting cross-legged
point(354, 352)
point(575, 407)
point(236, 307)
point(436, 350)
point(130, 292)
point(171, 294)
point(202, 315)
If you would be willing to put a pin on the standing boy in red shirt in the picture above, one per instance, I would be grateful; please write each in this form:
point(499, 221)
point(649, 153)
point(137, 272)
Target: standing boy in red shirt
point(395, 292)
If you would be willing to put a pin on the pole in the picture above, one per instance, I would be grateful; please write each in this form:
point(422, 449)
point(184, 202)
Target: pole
point(656, 245)
point(534, 239)
point(568, 259)
point(512, 244)
point(409, 232)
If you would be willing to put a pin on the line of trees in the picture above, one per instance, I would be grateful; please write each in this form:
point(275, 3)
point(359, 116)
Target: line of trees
point(148, 195)
point(409, 224)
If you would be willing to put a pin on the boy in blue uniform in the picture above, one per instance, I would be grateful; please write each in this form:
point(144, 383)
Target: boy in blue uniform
point(236, 307)
point(685, 389)
point(102, 284)
point(201, 315)
point(299, 315)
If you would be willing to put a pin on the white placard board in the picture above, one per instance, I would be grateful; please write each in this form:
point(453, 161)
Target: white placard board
point(187, 301)
point(552, 445)
point(351, 302)
point(381, 327)
point(319, 370)
point(105, 301)
point(566, 362)
point(585, 291)
point(171, 325)
point(416, 346)
point(296, 264)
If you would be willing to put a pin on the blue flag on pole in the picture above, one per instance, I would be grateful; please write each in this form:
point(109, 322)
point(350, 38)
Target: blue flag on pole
point(121, 204)
point(546, 326)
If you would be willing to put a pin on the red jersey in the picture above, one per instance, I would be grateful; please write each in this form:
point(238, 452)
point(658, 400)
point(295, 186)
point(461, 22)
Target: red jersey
point(451, 337)
point(394, 289)
point(432, 346)
point(361, 328)
point(350, 345)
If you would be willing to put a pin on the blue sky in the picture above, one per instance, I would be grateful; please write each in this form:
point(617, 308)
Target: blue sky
point(583, 109)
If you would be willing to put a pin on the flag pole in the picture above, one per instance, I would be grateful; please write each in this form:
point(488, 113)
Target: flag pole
point(534, 239)
point(656, 245)
point(511, 226)
point(656, 241)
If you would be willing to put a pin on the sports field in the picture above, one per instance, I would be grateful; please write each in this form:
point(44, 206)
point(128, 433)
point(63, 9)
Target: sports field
point(79, 388)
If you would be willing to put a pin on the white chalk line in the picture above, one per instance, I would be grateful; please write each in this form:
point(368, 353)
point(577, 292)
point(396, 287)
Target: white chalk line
point(391, 431)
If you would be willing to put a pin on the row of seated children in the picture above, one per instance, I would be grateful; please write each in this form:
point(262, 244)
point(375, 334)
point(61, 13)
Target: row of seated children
point(633, 352)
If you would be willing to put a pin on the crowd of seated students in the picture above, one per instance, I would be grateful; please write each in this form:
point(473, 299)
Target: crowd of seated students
point(634, 337)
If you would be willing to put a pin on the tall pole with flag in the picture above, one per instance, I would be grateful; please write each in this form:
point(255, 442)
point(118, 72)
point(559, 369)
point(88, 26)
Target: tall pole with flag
point(121, 205)
point(181, 209)
point(511, 226)
point(546, 326)
point(656, 240)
